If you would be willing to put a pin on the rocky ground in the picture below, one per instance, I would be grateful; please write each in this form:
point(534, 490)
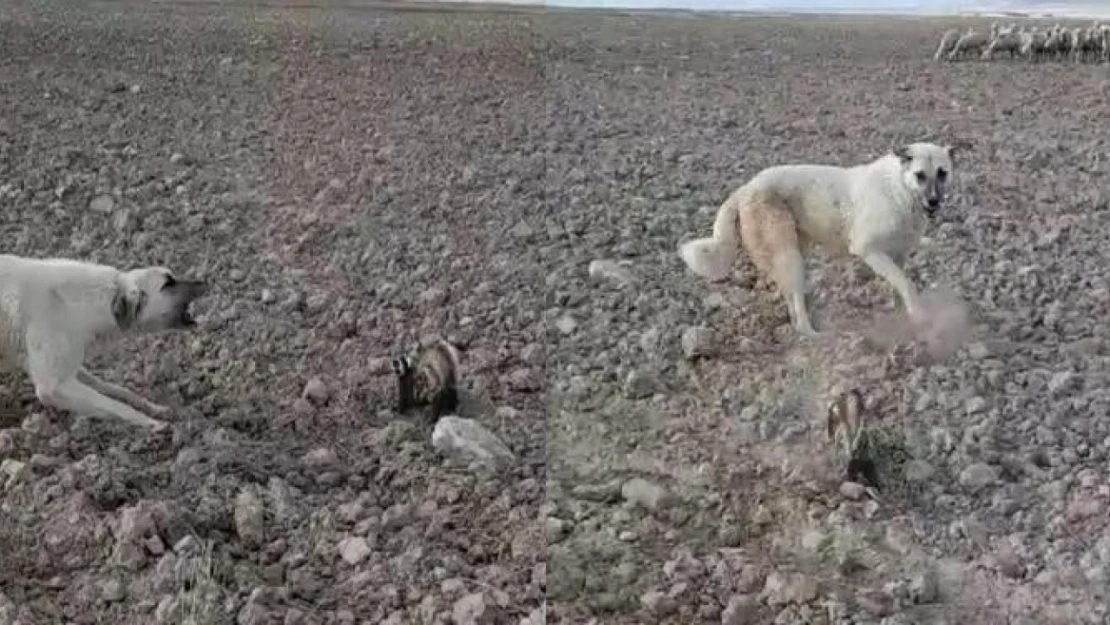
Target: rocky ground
point(353, 180)
point(689, 478)
point(348, 182)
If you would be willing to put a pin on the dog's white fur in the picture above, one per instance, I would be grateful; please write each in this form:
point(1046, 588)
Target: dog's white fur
point(51, 310)
point(872, 211)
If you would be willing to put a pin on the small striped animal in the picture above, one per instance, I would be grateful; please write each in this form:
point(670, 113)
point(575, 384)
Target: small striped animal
point(428, 378)
point(844, 425)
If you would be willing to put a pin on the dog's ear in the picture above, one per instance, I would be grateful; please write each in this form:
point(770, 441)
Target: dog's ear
point(126, 306)
point(903, 153)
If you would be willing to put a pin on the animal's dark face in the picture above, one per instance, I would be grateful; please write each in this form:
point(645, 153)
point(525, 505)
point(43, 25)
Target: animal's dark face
point(862, 471)
point(402, 365)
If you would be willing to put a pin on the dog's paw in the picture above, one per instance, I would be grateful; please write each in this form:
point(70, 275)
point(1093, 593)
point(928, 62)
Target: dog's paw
point(157, 410)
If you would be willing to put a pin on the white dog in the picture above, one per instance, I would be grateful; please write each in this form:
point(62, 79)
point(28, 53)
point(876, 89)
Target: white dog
point(51, 310)
point(871, 211)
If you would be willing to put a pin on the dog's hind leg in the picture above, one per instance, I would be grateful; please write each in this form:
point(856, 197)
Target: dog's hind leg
point(770, 235)
point(123, 394)
point(791, 277)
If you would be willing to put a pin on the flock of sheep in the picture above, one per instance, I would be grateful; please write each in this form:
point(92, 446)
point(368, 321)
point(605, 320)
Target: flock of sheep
point(1034, 43)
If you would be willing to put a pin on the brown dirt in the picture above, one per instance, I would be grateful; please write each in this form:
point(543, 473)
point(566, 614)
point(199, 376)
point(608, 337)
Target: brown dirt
point(998, 411)
point(352, 179)
point(337, 176)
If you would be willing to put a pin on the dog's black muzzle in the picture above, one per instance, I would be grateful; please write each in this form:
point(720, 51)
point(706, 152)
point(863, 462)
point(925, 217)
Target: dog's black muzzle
point(932, 205)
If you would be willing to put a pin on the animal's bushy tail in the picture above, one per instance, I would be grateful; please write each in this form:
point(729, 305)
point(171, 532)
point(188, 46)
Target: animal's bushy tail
point(713, 257)
point(451, 351)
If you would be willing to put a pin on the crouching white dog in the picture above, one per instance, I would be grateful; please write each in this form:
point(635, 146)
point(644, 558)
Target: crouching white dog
point(872, 211)
point(51, 310)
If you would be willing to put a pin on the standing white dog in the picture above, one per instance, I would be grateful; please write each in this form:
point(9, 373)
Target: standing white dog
point(871, 211)
point(51, 310)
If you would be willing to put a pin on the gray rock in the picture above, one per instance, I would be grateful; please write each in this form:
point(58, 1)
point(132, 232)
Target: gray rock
point(976, 477)
point(1061, 382)
point(12, 468)
point(112, 590)
point(472, 609)
point(644, 493)
point(433, 297)
point(975, 405)
point(396, 516)
point(316, 391)
point(607, 492)
point(780, 590)
point(522, 230)
point(741, 610)
point(612, 271)
point(1009, 563)
point(698, 342)
point(852, 490)
point(467, 440)
point(650, 340)
point(657, 603)
point(536, 617)
point(102, 204)
point(566, 325)
point(321, 458)
point(925, 587)
point(639, 384)
point(918, 471)
point(249, 517)
point(354, 549)
point(557, 529)
point(533, 354)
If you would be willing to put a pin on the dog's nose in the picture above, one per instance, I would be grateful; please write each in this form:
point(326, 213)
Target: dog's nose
point(934, 202)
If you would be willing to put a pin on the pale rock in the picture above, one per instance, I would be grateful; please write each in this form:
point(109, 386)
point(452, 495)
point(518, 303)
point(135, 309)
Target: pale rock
point(468, 441)
point(354, 550)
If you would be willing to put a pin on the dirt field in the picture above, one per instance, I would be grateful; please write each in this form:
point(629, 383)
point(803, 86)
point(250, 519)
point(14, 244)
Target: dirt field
point(352, 180)
point(999, 514)
point(337, 178)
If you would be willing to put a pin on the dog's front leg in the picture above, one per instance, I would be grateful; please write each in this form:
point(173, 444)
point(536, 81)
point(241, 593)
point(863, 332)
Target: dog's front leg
point(74, 396)
point(121, 393)
point(883, 265)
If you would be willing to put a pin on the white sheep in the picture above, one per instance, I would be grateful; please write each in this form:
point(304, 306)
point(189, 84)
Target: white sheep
point(969, 43)
point(1003, 41)
point(947, 41)
point(1060, 41)
point(1078, 43)
point(1033, 44)
point(1090, 46)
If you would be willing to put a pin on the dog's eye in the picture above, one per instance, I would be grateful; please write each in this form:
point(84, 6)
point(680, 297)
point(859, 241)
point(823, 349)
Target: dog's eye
point(941, 174)
point(920, 176)
point(169, 282)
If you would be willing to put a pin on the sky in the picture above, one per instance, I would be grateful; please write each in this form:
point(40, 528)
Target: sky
point(853, 6)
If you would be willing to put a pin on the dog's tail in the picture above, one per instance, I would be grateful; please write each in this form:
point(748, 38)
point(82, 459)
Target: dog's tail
point(713, 257)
